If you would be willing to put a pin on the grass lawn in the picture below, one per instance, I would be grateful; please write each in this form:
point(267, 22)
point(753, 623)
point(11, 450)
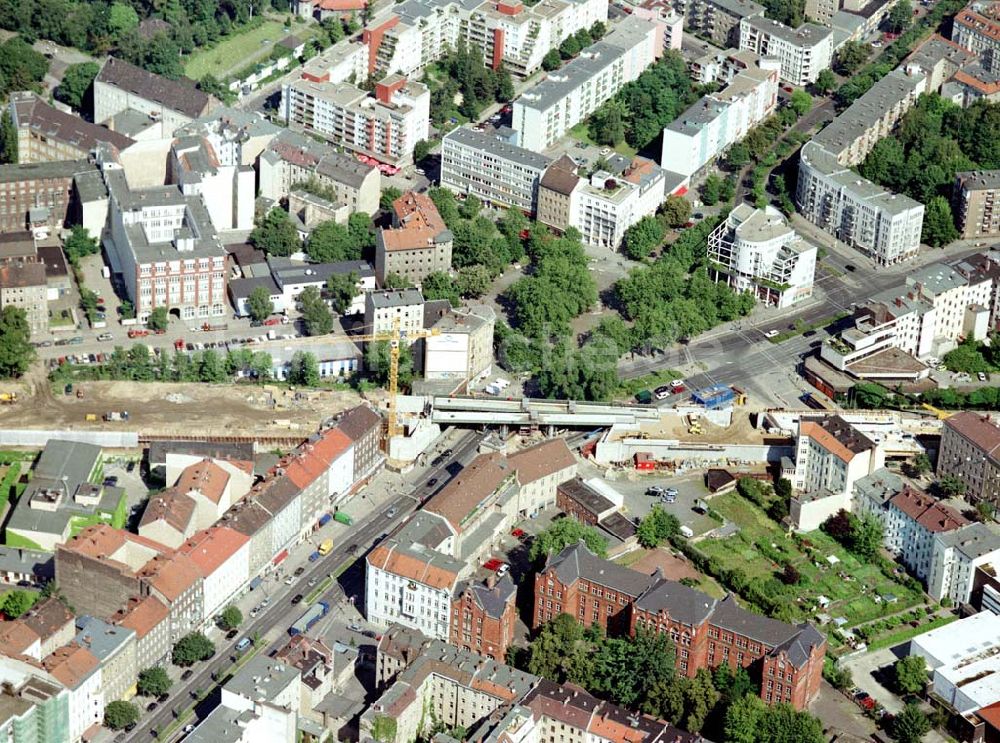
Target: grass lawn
point(580, 132)
point(760, 539)
point(237, 51)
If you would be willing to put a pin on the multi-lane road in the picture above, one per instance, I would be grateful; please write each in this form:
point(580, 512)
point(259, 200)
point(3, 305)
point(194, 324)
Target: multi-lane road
point(739, 354)
point(280, 612)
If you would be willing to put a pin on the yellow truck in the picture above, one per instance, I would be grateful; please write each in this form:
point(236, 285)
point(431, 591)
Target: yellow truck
point(91, 417)
point(8, 398)
point(325, 547)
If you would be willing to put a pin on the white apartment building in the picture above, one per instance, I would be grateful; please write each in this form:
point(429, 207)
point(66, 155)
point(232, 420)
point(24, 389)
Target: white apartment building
point(706, 129)
point(345, 60)
point(545, 112)
point(756, 250)
point(385, 126)
point(166, 249)
point(881, 224)
point(956, 557)
point(831, 455)
point(910, 522)
point(613, 200)
point(804, 51)
point(463, 349)
point(977, 28)
point(227, 187)
point(223, 557)
point(925, 318)
point(410, 577)
point(488, 164)
point(509, 32)
point(964, 660)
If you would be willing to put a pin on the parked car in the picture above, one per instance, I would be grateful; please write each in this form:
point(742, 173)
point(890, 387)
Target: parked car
point(662, 392)
point(187, 674)
point(231, 634)
point(391, 513)
point(354, 627)
point(432, 482)
point(151, 706)
point(770, 333)
point(299, 571)
point(981, 376)
point(503, 570)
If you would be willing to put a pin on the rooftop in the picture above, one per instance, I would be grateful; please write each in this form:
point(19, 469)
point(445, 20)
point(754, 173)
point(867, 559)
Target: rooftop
point(104, 640)
point(262, 679)
point(411, 552)
point(211, 548)
point(808, 34)
point(486, 141)
point(977, 428)
point(973, 540)
point(180, 95)
point(20, 275)
point(576, 562)
point(398, 298)
point(32, 112)
point(835, 435)
point(978, 180)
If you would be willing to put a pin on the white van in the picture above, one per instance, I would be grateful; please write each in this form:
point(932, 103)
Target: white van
point(686, 531)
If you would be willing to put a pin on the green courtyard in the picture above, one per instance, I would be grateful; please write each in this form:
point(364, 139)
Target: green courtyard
point(239, 50)
point(857, 591)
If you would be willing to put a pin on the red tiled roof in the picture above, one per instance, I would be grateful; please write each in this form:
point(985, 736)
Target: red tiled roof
point(408, 566)
point(210, 548)
point(314, 458)
point(171, 575)
point(70, 664)
point(977, 428)
point(927, 511)
point(541, 460)
point(16, 637)
point(206, 477)
point(419, 223)
point(142, 616)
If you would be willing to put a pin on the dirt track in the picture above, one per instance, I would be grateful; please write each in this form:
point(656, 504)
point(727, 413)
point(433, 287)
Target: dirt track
point(175, 409)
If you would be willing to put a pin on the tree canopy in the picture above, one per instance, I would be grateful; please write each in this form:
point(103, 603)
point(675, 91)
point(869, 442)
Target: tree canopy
point(231, 617)
point(910, 674)
point(192, 648)
point(119, 714)
point(75, 84)
point(564, 532)
point(259, 304)
point(315, 312)
point(274, 233)
point(154, 682)
point(16, 351)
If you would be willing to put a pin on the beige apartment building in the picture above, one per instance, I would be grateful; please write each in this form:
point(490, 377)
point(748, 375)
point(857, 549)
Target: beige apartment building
point(24, 285)
point(975, 197)
point(418, 243)
point(970, 443)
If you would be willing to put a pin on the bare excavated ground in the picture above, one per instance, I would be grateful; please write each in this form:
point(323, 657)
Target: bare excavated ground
point(185, 409)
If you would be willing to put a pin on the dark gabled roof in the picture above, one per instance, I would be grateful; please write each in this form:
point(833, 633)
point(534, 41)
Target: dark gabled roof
point(618, 526)
point(35, 114)
point(178, 95)
point(158, 450)
point(358, 422)
point(576, 561)
point(799, 647)
point(492, 600)
point(681, 603)
point(560, 176)
point(728, 615)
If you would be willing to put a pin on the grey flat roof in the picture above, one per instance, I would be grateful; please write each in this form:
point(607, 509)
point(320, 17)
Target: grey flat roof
point(848, 127)
point(488, 142)
point(100, 637)
point(979, 180)
point(808, 34)
point(739, 8)
point(590, 63)
point(286, 271)
point(397, 298)
point(32, 171)
point(27, 562)
point(973, 540)
point(261, 679)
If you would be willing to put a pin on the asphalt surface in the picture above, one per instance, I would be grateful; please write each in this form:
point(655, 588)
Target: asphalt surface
point(282, 613)
point(739, 354)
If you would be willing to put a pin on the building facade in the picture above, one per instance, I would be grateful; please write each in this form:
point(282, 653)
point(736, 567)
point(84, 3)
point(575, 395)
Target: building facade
point(544, 113)
point(970, 451)
point(975, 194)
point(418, 243)
point(385, 126)
point(804, 51)
point(491, 167)
point(756, 250)
point(483, 616)
point(23, 285)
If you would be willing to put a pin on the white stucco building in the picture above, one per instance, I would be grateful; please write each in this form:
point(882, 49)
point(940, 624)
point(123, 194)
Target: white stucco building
point(956, 557)
point(223, 557)
point(804, 52)
point(756, 250)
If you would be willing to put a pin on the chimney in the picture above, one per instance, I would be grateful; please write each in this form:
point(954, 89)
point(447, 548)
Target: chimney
point(491, 581)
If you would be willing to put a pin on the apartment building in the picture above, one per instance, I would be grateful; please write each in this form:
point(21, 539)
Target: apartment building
point(412, 576)
point(483, 616)
point(707, 632)
point(718, 20)
point(883, 225)
point(385, 125)
point(911, 520)
point(488, 164)
point(363, 426)
point(147, 617)
point(291, 158)
point(417, 244)
point(669, 24)
point(222, 556)
point(804, 52)
point(924, 319)
point(957, 555)
point(511, 33)
point(544, 113)
point(322, 469)
point(977, 28)
point(462, 349)
point(46, 134)
point(385, 309)
point(23, 285)
point(706, 129)
point(227, 187)
point(79, 672)
point(970, 451)
point(39, 195)
point(755, 250)
point(121, 86)
point(35, 702)
point(165, 247)
point(974, 196)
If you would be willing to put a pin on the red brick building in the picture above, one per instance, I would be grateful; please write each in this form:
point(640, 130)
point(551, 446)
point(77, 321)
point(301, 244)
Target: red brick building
point(787, 659)
point(483, 616)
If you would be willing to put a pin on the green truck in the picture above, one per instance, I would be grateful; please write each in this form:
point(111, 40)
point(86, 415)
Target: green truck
point(645, 397)
point(343, 518)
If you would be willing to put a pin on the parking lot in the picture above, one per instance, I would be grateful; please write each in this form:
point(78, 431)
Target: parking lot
point(633, 486)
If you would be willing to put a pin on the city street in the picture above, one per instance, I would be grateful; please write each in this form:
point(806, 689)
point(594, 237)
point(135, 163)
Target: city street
point(388, 493)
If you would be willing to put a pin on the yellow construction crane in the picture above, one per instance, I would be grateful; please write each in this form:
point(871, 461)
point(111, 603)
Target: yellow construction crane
point(396, 336)
point(941, 414)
